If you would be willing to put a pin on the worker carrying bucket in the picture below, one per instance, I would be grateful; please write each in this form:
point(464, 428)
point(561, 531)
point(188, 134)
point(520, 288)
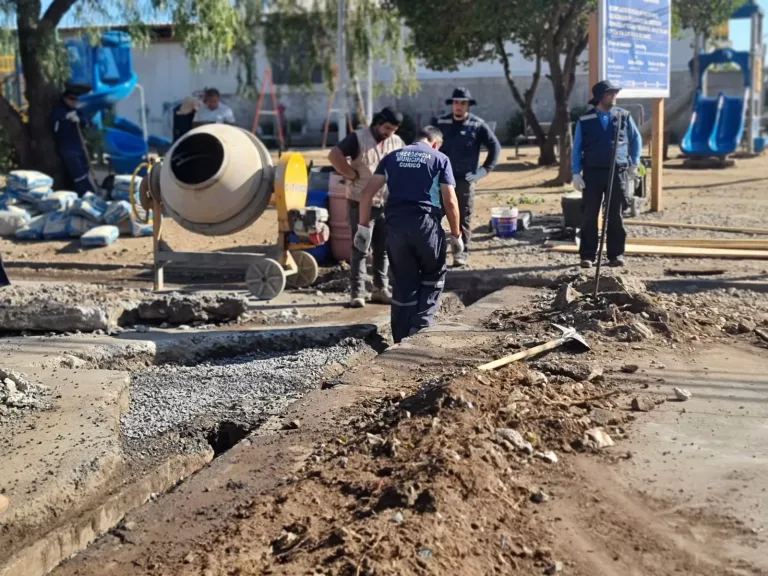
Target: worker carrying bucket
point(67, 123)
point(606, 147)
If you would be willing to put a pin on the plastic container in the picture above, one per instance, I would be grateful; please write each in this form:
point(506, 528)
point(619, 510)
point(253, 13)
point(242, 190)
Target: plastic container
point(506, 223)
point(341, 234)
point(319, 178)
point(495, 215)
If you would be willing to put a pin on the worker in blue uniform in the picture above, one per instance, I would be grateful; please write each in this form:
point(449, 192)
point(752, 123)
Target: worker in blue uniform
point(463, 135)
point(591, 165)
point(67, 123)
point(418, 177)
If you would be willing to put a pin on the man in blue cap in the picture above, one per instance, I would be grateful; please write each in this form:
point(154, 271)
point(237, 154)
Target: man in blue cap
point(592, 154)
point(67, 123)
point(463, 135)
point(418, 178)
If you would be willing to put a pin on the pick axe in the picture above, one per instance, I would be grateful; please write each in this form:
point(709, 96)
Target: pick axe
point(568, 335)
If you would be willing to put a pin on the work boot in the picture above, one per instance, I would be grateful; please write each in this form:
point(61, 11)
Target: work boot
point(356, 301)
point(586, 263)
point(617, 262)
point(381, 296)
point(460, 259)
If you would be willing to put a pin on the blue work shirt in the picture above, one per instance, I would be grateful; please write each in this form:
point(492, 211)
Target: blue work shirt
point(414, 175)
point(66, 132)
point(635, 141)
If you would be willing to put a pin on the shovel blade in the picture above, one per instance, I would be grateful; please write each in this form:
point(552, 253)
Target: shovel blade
point(572, 337)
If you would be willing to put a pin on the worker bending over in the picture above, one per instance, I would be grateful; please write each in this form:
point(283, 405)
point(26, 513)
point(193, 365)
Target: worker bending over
point(464, 133)
point(418, 177)
point(593, 153)
point(67, 123)
point(365, 147)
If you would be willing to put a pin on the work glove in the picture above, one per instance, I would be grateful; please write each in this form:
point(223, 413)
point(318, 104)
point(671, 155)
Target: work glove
point(73, 117)
point(456, 244)
point(632, 171)
point(479, 174)
point(362, 239)
point(578, 182)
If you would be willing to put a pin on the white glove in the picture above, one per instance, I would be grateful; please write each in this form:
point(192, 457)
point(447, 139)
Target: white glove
point(73, 117)
point(578, 182)
point(632, 171)
point(456, 244)
point(362, 239)
point(475, 176)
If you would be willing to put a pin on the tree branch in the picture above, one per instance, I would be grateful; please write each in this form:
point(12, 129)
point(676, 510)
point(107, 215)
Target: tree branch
point(56, 12)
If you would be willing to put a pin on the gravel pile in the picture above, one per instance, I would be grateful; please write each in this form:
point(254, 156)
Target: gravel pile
point(244, 389)
point(19, 395)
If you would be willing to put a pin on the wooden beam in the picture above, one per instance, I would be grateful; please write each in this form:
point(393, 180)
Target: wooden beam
point(730, 243)
point(679, 251)
point(657, 155)
point(661, 224)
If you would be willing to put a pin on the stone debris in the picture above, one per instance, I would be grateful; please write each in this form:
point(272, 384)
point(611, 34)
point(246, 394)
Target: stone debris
point(642, 404)
point(682, 394)
point(548, 456)
point(554, 568)
point(630, 368)
point(566, 294)
point(17, 394)
point(515, 439)
point(292, 425)
point(539, 497)
point(598, 438)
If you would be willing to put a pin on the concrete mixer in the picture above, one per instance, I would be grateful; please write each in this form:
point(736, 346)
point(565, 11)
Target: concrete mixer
point(217, 180)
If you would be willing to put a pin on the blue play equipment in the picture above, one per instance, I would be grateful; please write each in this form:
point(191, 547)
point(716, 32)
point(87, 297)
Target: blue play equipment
point(107, 68)
point(720, 124)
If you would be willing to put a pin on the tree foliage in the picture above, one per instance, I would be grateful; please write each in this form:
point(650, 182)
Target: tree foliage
point(703, 16)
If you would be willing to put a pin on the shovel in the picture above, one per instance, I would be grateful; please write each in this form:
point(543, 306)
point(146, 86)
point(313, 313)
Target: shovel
point(569, 335)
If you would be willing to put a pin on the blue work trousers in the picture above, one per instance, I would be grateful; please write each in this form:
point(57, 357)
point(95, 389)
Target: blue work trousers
point(416, 247)
point(79, 171)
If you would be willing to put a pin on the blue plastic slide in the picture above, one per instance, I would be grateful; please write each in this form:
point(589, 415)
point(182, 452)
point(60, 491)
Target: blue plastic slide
point(729, 125)
point(696, 139)
point(158, 142)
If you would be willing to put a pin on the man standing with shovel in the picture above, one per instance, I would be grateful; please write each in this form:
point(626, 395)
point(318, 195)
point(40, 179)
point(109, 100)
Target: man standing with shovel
point(601, 153)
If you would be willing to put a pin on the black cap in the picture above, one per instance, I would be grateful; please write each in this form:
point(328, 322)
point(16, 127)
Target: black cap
point(599, 90)
point(389, 116)
point(461, 94)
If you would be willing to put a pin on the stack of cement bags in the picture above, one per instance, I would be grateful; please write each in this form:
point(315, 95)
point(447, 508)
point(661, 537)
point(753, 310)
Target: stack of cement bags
point(31, 210)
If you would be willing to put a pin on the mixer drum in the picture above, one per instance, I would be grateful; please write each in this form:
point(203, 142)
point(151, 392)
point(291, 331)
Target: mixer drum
point(216, 180)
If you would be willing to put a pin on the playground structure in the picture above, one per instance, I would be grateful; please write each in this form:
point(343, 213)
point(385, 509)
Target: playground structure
point(720, 124)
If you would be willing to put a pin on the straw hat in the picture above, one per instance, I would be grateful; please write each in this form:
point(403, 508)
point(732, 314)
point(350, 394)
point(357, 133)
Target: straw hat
point(188, 105)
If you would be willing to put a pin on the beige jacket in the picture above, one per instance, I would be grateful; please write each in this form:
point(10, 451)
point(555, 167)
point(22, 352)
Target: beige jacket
point(371, 152)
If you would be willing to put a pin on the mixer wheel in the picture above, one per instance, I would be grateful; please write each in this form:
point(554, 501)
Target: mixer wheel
point(265, 279)
point(307, 270)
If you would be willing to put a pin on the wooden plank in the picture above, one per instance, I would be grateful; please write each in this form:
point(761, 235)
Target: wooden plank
point(729, 243)
point(661, 224)
point(657, 155)
point(680, 251)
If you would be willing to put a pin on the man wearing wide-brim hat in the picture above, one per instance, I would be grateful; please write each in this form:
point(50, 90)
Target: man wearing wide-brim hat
point(591, 161)
point(463, 134)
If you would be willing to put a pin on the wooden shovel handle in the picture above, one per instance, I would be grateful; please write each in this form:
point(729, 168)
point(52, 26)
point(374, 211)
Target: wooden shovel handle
point(522, 355)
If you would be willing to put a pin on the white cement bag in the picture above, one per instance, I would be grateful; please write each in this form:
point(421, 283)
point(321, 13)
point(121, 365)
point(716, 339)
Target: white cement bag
point(10, 222)
point(56, 225)
point(6, 199)
point(20, 212)
point(35, 195)
point(28, 179)
point(61, 200)
point(33, 230)
point(90, 206)
point(78, 226)
point(100, 236)
point(117, 212)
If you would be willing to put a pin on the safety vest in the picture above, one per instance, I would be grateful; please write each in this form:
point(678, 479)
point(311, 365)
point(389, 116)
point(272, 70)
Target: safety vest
point(461, 142)
point(371, 153)
point(597, 142)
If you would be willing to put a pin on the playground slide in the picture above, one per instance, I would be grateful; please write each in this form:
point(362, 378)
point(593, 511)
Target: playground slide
point(696, 141)
point(729, 126)
point(158, 142)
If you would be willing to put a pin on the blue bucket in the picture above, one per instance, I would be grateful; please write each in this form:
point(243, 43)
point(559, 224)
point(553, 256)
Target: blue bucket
point(504, 222)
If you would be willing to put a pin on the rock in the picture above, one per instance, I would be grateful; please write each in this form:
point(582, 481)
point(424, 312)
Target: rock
point(548, 456)
point(53, 317)
point(642, 404)
point(189, 558)
point(602, 417)
point(535, 378)
point(682, 394)
point(292, 425)
point(641, 332)
point(539, 497)
point(579, 371)
point(554, 568)
point(129, 526)
point(612, 284)
point(141, 329)
point(566, 294)
point(598, 438)
point(630, 368)
point(515, 438)
point(396, 497)
point(746, 326)
point(397, 518)
point(4, 501)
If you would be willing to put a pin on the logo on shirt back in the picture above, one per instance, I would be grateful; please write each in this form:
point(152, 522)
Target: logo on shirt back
point(411, 158)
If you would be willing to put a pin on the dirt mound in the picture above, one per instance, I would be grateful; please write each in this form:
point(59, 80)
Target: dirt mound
point(449, 480)
point(19, 395)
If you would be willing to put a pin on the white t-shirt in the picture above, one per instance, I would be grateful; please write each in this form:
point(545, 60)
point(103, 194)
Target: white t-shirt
point(222, 114)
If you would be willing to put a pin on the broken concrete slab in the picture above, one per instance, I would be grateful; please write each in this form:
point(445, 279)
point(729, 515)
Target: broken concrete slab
point(55, 318)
